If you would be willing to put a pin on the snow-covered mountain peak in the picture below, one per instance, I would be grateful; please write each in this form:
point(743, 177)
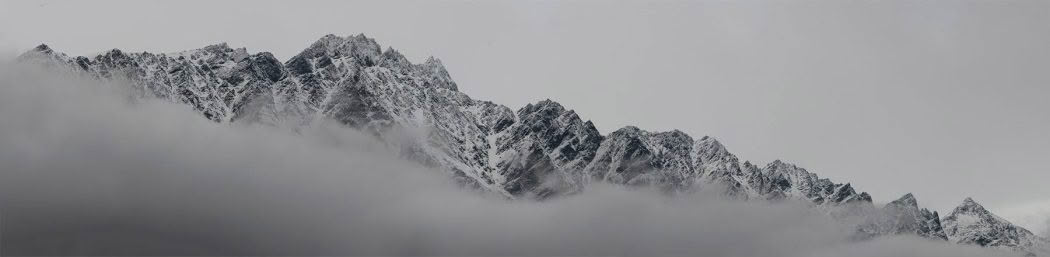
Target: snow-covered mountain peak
point(903, 216)
point(709, 149)
point(628, 130)
point(540, 150)
point(41, 54)
point(331, 49)
point(353, 81)
point(438, 75)
point(971, 223)
point(547, 108)
point(971, 207)
point(908, 200)
point(43, 48)
point(782, 167)
point(216, 48)
point(214, 53)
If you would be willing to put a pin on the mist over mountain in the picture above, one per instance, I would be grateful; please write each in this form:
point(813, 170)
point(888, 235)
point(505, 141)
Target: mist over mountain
point(268, 140)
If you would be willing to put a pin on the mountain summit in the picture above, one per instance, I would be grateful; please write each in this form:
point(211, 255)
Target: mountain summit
point(970, 223)
point(539, 151)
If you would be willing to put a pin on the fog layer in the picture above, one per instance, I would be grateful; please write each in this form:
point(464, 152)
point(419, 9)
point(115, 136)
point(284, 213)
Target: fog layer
point(87, 171)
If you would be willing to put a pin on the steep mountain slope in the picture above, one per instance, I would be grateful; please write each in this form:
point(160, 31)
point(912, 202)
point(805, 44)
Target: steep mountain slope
point(970, 223)
point(215, 80)
point(538, 151)
point(903, 216)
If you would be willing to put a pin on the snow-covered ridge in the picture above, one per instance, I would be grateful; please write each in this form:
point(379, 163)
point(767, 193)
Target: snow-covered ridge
point(538, 151)
point(972, 224)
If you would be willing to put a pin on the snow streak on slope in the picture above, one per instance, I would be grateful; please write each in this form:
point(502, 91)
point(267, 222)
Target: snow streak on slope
point(88, 173)
point(539, 151)
point(970, 223)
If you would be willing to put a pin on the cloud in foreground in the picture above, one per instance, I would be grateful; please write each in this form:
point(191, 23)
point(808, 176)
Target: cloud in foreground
point(86, 171)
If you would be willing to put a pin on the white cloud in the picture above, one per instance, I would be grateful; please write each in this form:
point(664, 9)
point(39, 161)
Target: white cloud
point(1034, 216)
point(87, 173)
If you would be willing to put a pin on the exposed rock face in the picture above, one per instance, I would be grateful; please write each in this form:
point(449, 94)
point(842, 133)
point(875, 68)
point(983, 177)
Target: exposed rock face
point(548, 144)
point(904, 217)
point(970, 223)
point(216, 80)
point(541, 150)
point(637, 157)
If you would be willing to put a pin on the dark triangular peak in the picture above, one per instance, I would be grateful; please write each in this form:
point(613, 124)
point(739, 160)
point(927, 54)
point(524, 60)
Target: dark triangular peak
point(545, 108)
point(708, 150)
point(782, 167)
point(794, 180)
point(43, 48)
point(634, 156)
point(260, 66)
point(846, 194)
point(712, 143)
point(42, 53)
point(331, 49)
point(546, 112)
point(903, 216)
point(974, 212)
point(970, 206)
point(569, 140)
point(906, 201)
point(265, 65)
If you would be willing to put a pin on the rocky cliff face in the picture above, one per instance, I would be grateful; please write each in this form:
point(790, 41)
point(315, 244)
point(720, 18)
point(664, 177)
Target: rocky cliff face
point(972, 224)
point(539, 151)
point(904, 217)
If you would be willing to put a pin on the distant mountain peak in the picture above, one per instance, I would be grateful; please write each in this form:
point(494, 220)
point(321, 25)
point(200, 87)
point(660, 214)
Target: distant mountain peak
point(709, 139)
point(219, 46)
point(971, 223)
point(711, 144)
point(903, 216)
point(43, 48)
point(906, 200)
point(545, 104)
point(970, 206)
point(540, 150)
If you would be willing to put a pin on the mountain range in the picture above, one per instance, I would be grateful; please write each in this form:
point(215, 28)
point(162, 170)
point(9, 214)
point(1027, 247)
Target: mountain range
point(539, 151)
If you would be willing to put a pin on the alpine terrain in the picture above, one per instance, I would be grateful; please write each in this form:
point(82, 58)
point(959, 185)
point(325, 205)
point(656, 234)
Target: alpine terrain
point(539, 151)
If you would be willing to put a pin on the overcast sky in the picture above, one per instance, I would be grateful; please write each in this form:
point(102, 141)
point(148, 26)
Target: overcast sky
point(945, 99)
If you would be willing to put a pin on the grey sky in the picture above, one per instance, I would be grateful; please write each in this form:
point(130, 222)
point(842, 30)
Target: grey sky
point(945, 99)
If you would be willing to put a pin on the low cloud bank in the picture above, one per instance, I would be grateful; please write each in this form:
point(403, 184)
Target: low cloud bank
point(86, 171)
point(1034, 216)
